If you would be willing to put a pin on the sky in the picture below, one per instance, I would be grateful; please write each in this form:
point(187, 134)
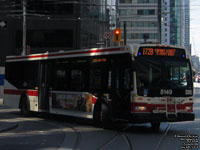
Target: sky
point(195, 26)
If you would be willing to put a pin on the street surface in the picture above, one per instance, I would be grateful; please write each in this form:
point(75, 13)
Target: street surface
point(42, 132)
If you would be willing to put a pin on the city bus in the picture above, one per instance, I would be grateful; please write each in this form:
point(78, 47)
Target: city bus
point(142, 83)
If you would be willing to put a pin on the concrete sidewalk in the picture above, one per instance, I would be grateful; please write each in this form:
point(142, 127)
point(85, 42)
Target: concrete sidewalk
point(6, 126)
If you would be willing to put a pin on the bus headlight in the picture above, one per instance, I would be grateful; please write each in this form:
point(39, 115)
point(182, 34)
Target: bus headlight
point(140, 108)
point(188, 108)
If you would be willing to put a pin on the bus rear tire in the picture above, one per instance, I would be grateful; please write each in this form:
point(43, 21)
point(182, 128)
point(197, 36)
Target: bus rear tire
point(106, 117)
point(24, 107)
point(155, 126)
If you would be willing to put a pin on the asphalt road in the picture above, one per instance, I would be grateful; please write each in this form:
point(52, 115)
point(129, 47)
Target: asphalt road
point(41, 132)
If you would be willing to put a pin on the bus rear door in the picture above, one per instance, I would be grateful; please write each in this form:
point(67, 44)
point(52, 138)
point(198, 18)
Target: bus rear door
point(44, 79)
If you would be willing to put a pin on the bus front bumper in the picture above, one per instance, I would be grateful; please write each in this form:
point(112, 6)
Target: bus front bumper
point(161, 117)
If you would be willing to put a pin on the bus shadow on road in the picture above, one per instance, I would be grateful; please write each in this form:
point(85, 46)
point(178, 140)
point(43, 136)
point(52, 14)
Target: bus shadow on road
point(76, 122)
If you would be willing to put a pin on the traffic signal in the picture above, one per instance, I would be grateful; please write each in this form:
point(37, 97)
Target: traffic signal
point(117, 35)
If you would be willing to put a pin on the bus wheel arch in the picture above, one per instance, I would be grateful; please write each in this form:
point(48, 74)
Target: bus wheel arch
point(102, 114)
point(24, 105)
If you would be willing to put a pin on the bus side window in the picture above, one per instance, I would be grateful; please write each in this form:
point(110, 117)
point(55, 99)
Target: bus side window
point(77, 79)
point(95, 79)
point(60, 79)
point(24, 76)
point(127, 79)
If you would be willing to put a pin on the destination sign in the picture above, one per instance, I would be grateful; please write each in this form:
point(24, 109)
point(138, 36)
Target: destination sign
point(161, 51)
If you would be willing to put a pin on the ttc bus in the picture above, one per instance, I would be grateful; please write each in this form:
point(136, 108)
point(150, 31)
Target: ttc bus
point(145, 83)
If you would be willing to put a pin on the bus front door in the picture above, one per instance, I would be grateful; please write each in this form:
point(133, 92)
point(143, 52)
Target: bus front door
point(43, 86)
point(121, 81)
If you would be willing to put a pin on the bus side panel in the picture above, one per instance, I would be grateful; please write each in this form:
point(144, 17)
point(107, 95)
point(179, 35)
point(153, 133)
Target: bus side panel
point(79, 104)
point(33, 103)
point(12, 96)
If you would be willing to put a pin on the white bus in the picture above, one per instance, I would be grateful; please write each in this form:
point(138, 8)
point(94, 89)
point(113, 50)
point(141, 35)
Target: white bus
point(144, 83)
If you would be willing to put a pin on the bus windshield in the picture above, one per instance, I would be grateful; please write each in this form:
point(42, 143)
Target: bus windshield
point(156, 73)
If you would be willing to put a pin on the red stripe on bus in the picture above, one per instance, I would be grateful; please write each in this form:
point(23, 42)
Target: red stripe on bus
point(20, 92)
point(64, 54)
point(94, 99)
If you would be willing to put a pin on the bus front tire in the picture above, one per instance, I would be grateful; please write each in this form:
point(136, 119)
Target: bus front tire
point(155, 126)
point(97, 114)
point(102, 116)
point(106, 117)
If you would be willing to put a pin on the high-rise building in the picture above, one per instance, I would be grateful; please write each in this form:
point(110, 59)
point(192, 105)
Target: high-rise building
point(175, 23)
point(142, 19)
point(157, 21)
point(187, 25)
point(54, 25)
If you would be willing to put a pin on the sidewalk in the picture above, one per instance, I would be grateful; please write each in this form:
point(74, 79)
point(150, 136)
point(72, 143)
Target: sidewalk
point(6, 126)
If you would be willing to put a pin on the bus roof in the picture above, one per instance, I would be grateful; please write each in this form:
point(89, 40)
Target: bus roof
point(71, 54)
point(132, 49)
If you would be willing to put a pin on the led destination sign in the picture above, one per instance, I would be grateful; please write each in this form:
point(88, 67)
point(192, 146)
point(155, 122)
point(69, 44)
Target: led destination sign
point(161, 51)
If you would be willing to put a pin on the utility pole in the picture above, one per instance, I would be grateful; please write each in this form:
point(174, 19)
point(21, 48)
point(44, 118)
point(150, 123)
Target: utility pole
point(125, 33)
point(24, 27)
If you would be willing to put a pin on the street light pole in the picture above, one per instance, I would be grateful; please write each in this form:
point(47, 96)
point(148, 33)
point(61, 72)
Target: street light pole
point(24, 27)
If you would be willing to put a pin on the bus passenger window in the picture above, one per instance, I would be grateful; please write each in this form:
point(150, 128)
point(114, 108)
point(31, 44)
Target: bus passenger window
point(60, 73)
point(96, 79)
point(60, 81)
point(76, 79)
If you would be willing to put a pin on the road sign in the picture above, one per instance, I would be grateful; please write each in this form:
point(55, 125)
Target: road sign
point(3, 24)
point(107, 35)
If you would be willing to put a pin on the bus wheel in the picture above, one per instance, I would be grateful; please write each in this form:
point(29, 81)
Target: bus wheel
point(106, 117)
point(97, 114)
point(24, 108)
point(155, 126)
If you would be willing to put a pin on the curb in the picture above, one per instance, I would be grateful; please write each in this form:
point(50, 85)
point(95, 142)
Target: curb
point(11, 127)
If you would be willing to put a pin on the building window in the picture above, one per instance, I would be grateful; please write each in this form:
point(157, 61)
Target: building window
point(125, 1)
point(141, 35)
point(146, 12)
point(147, 1)
point(139, 24)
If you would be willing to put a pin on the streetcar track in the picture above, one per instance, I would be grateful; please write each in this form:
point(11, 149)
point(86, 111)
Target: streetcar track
point(108, 142)
point(78, 136)
point(163, 136)
point(128, 141)
point(77, 133)
point(118, 134)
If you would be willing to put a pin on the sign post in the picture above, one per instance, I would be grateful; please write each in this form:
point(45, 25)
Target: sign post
point(107, 36)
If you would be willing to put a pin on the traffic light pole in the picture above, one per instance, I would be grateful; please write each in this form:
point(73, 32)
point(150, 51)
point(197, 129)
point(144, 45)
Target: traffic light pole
point(125, 33)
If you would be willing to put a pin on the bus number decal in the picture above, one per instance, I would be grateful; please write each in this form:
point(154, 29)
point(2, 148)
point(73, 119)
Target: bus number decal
point(166, 92)
point(148, 51)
